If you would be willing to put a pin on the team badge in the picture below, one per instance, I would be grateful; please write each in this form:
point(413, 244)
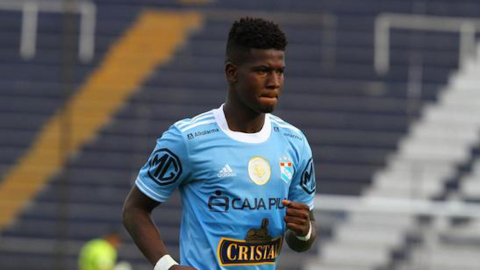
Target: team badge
point(286, 169)
point(259, 170)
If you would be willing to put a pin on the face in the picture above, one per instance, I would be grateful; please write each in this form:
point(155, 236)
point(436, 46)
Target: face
point(258, 81)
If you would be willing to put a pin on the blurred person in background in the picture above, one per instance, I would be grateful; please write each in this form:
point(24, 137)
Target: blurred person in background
point(101, 253)
point(245, 176)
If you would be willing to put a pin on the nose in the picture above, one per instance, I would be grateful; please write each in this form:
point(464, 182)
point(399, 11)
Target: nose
point(274, 80)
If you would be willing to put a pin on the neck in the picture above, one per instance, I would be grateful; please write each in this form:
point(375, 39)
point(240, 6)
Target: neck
point(243, 119)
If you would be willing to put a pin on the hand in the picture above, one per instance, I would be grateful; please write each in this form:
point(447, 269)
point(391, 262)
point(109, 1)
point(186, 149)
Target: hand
point(297, 217)
point(180, 267)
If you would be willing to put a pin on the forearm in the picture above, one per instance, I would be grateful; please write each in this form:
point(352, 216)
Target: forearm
point(144, 233)
point(299, 245)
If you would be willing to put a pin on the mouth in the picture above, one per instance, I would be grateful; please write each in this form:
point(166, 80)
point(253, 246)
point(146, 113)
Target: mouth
point(270, 95)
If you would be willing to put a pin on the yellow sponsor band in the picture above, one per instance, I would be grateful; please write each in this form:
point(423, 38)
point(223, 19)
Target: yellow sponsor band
point(236, 252)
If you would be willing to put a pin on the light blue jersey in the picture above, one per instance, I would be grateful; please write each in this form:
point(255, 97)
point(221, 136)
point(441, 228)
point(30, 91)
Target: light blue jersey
point(231, 185)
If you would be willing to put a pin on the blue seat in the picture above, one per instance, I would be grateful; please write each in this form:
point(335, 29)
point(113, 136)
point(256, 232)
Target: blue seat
point(25, 261)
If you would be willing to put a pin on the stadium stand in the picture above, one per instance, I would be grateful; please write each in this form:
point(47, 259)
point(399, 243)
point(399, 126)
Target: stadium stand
point(364, 128)
point(412, 172)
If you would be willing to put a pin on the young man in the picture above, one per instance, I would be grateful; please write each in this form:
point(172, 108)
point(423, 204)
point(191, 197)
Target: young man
point(245, 176)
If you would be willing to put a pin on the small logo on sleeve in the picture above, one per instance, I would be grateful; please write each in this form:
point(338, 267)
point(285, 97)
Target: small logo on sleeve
point(164, 167)
point(257, 248)
point(307, 180)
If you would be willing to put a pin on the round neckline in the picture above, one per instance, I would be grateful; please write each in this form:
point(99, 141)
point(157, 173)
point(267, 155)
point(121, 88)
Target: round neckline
point(258, 137)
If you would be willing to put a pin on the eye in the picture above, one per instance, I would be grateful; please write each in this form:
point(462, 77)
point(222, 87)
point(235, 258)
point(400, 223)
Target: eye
point(280, 71)
point(262, 71)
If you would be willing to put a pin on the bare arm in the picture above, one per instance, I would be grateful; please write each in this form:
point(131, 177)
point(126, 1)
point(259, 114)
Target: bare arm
point(137, 220)
point(299, 220)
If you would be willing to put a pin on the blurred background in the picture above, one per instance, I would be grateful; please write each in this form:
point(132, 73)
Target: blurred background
point(387, 91)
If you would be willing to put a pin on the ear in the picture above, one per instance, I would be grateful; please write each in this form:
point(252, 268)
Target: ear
point(231, 72)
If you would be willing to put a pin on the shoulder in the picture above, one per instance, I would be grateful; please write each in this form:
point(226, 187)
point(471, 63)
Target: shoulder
point(189, 128)
point(287, 130)
point(188, 124)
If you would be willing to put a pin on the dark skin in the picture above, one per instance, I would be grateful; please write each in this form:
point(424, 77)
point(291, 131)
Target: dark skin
point(137, 220)
point(255, 85)
point(299, 218)
point(254, 88)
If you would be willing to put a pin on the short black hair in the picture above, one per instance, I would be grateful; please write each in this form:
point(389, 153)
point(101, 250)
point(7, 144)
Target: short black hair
point(253, 33)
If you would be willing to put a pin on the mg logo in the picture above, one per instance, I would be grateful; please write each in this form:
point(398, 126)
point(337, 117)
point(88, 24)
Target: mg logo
point(164, 167)
point(307, 181)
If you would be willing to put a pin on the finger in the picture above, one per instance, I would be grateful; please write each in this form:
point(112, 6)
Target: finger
point(302, 213)
point(296, 205)
point(286, 202)
point(296, 220)
point(297, 229)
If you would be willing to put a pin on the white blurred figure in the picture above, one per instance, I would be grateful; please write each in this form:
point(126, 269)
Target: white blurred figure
point(123, 265)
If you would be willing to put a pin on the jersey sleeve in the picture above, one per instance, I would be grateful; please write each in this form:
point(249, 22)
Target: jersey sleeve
point(303, 186)
point(167, 167)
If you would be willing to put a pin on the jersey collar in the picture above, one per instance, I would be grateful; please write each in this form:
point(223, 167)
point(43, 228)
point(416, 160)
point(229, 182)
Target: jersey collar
point(257, 137)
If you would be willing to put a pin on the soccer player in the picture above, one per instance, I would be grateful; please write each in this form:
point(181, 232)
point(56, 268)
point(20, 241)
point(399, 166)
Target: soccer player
point(245, 176)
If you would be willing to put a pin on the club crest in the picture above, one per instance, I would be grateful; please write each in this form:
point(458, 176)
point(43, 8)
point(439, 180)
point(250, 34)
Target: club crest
point(259, 170)
point(286, 169)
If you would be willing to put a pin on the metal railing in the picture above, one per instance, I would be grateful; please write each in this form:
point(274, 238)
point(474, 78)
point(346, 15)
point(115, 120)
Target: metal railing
point(384, 22)
point(452, 208)
point(30, 9)
point(436, 237)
